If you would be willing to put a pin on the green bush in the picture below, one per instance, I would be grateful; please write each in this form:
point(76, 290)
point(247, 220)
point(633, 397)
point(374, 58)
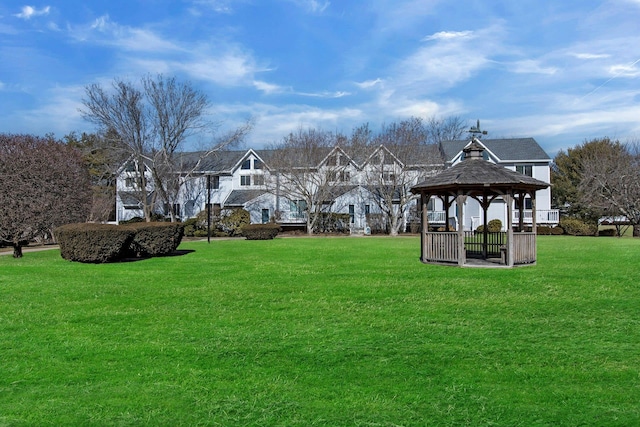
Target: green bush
point(494, 226)
point(557, 231)
point(260, 231)
point(233, 220)
point(577, 227)
point(190, 227)
point(155, 238)
point(93, 243)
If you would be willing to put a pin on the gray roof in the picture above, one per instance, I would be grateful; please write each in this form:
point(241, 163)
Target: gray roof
point(516, 149)
point(240, 197)
point(474, 175)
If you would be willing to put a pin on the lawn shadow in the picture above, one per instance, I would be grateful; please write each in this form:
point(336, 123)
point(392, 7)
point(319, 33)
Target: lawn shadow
point(177, 252)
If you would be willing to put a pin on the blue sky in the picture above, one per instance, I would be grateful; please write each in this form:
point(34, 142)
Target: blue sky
point(558, 71)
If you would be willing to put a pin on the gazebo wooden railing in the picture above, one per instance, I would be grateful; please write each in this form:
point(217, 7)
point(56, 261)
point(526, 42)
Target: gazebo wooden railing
point(442, 247)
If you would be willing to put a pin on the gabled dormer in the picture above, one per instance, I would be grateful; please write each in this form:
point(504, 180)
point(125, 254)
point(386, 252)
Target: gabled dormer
point(249, 171)
point(382, 156)
point(337, 157)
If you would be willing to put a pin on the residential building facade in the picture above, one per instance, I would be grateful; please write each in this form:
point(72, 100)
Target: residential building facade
point(370, 186)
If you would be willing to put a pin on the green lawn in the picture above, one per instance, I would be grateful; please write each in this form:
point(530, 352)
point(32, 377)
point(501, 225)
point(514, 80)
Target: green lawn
point(323, 331)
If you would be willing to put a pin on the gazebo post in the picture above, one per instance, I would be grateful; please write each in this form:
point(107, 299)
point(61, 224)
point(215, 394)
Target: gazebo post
point(485, 224)
point(510, 245)
point(425, 225)
point(462, 255)
point(533, 212)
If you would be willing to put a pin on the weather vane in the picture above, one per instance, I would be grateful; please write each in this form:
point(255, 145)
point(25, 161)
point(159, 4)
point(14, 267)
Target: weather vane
point(475, 130)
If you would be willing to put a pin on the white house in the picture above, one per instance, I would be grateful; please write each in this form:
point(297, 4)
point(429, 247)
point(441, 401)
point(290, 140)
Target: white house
point(241, 179)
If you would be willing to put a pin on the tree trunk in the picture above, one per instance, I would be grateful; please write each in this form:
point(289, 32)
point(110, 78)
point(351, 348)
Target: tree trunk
point(636, 231)
point(17, 250)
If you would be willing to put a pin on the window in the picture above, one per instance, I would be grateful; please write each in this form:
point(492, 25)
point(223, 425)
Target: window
point(297, 208)
point(245, 180)
point(215, 182)
point(352, 214)
point(257, 164)
point(258, 179)
point(339, 176)
point(367, 210)
point(265, 216)
point(128, 182)
point(246, 164)
point(525, 169)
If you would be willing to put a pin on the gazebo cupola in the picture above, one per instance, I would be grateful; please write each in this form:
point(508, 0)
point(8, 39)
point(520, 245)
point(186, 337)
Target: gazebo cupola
point(479, 179)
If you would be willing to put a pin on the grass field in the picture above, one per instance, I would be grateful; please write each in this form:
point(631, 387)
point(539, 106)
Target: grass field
point(326, 332)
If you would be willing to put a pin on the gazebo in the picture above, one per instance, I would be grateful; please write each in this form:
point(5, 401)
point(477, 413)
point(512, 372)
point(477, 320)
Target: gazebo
point(486, 182)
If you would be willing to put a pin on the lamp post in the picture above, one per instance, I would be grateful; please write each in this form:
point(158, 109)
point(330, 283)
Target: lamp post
point(208, 208)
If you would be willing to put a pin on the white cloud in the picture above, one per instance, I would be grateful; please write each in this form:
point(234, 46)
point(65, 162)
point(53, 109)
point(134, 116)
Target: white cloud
point(625, 70)
point(590, 55)
point(230, 68)
point(325, 94)
point(104, 31)
point(368, 84)
point(444, 61)
point(29, 11)
point(2, 85)
point(269, 88)
point(450, 35)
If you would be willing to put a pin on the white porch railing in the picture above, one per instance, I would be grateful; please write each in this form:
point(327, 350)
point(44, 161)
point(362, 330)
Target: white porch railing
point(551, 216)
point(437, 217)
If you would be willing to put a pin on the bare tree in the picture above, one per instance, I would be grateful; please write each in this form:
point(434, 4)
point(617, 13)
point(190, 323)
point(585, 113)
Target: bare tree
point(154, 121)
point(304, 169)
point(400, 156)
point(124, 111)
point(440, 129)
point(44, 185)
point(610, 180)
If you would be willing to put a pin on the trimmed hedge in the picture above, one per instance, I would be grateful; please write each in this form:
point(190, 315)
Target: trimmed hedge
point(260, 231)
point(94, 243)
point(155, 238)
point(99, 243)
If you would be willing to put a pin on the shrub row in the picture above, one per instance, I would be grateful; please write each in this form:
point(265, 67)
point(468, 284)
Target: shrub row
point(260, 231)
point(577, 227)
point(546, 230)
point(225, 222)
point(99, 243)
